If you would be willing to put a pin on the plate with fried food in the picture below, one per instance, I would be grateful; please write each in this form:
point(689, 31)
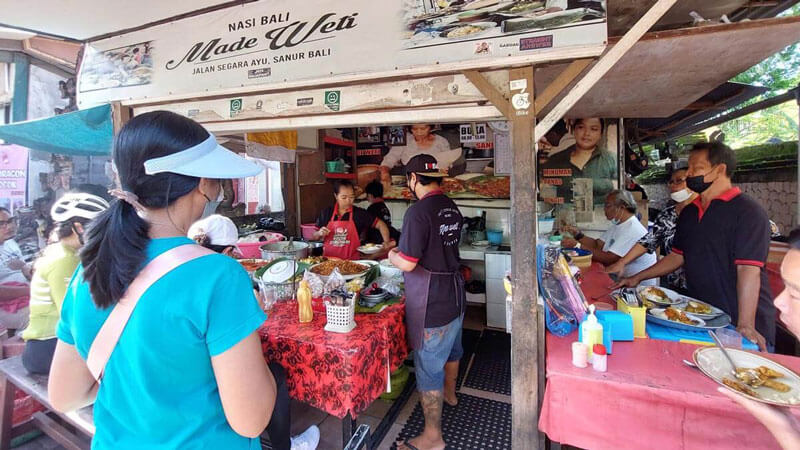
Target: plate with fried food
point(757, 377)
point(699, 309)
point(675, 317)
point(654, 296)
point(348, 269)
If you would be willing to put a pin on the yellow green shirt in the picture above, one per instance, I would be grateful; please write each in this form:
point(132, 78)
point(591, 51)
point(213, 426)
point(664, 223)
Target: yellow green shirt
point(52, 273)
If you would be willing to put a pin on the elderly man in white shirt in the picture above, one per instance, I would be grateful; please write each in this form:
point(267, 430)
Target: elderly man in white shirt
point(624, 233)
point(421, 140)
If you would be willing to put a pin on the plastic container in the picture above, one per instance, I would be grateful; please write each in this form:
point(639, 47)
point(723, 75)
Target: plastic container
point(546, 225)
point(495, 237)
point(334, 166)
point(591, 332)
point(730, 338)
point(308, 230)
point(253, 249)
point(340, 318)
point(599, 358)
point(580, 355)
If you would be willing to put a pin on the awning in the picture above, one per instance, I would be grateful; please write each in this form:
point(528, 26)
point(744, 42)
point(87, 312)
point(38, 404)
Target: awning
point(88, 132)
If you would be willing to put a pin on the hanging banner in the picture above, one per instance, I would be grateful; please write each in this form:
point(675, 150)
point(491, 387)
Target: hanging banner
point(13, 176)
point(282, 41)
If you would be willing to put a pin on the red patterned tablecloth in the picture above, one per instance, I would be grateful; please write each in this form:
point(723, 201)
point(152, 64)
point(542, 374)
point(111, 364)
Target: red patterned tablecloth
point(337, 373)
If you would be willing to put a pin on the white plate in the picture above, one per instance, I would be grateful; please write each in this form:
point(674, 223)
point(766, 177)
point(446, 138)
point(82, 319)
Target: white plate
point(715, 312)
point(370, 250)
point(674, 297)
point(480, 244)
point(712, 362)
point(279, 272)
point(659, 312)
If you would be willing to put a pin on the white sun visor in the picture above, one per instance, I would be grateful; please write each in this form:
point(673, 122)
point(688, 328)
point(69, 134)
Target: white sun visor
point(204, 160)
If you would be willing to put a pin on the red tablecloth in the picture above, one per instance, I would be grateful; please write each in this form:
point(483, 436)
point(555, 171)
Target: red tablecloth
point(337, 373)
point(647, 399)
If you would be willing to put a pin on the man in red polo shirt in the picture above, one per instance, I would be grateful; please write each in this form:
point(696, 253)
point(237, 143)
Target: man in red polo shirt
point(722, 242)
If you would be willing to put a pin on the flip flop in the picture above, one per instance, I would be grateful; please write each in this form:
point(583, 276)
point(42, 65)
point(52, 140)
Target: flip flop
point(408, 444)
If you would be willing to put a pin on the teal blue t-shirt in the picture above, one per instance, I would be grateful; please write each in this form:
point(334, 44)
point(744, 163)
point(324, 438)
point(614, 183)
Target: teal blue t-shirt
point(159, 389)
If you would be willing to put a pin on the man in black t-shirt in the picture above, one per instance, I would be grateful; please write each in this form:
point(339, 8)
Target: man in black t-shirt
point(435, 297)
point(722, 242)
point(378, 208)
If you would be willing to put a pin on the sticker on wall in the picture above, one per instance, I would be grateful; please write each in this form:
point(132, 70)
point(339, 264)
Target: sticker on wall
point(236, 106)
point(333, 100)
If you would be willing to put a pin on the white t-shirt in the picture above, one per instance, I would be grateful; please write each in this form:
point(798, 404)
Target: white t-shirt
point(404, 153)
point(10, 251)
point(620, 239)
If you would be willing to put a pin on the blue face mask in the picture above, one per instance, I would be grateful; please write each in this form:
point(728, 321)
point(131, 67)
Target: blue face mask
point(615, 221)
point(211, 206)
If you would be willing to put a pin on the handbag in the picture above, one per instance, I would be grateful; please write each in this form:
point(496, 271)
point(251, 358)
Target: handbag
point(110, 332)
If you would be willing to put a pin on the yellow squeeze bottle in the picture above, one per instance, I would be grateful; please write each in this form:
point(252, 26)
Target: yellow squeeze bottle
point(591, 332)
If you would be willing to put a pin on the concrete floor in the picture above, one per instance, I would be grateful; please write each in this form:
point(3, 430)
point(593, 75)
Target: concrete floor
point(330, 427)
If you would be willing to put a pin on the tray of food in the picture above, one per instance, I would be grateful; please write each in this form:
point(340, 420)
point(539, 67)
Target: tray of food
point(758, 378)
point(676, 318)
point(652, 296)
point(348, 269)
point(465, 31)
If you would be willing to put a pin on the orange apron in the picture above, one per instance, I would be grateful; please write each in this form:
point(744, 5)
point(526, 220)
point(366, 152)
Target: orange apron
point(343, 241)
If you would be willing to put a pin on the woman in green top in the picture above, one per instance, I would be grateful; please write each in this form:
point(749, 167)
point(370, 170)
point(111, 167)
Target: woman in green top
point(52, 272)
point(587, 158)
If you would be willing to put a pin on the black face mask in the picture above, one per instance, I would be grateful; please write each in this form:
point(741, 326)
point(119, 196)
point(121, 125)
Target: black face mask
point(698, 183)
point(412, 189)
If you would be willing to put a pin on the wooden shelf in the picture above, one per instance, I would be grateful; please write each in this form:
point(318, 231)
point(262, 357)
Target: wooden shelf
point(341, 176)
point(337, 141)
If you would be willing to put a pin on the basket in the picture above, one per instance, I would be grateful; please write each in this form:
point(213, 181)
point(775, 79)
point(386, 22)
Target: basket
point(334, 166)
point(283, 291)
point(340, 318)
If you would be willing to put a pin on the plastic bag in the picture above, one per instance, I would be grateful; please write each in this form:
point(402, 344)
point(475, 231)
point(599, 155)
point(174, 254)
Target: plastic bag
point(335, 283)
point(564, 301)
point(390, 285)
point(315, 283)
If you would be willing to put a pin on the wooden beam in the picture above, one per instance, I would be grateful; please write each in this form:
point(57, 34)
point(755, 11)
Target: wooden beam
point(496, 97)
point(603, 65)
point(562, 81)
point(120, 115)
point(525, 368)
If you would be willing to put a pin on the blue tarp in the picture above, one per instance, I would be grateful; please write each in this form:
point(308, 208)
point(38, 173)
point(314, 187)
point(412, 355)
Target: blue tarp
point(87, 132)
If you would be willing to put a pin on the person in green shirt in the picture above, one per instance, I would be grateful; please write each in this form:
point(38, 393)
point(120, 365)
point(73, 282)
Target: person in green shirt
point(587, 158)
point(52, 273)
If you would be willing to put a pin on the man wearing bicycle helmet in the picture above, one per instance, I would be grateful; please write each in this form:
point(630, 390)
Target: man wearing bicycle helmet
point(52, 273)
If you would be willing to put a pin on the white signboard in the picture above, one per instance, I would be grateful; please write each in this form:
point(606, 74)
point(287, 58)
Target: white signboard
point(280, 41)
point(473, 133)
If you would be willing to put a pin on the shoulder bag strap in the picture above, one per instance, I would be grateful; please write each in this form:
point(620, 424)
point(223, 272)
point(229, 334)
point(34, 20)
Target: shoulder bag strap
point(110, 332)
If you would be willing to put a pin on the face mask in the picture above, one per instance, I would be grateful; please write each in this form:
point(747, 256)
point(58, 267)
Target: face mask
point(698, 183)
point(615, 221)
point(211, 206)
point(412, 189)
point(680, 196)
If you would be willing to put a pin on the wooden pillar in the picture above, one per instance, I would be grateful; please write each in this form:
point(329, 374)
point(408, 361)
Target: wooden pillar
point(19, 103)
point(525, 342)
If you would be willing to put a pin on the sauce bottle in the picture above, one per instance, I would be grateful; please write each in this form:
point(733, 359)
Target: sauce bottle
point(591, 332)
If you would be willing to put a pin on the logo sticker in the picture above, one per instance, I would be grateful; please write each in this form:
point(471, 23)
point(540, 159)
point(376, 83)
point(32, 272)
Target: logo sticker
point(333, 100)
point(236, 106)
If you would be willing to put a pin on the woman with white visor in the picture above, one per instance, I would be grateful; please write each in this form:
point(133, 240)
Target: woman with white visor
point(157, 331)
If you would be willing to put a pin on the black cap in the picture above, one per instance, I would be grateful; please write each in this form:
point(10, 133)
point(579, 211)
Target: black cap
point(424, 165)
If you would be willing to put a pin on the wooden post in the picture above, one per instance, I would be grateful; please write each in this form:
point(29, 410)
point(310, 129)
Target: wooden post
point(525, 368)
point(120, 115)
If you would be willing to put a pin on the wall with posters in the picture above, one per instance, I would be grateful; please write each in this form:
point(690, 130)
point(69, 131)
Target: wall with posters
point(579, 166)
point(13, 176)
point(283, 41)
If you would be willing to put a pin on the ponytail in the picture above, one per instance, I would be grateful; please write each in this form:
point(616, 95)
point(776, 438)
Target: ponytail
point(116, 244)
point(114, 252)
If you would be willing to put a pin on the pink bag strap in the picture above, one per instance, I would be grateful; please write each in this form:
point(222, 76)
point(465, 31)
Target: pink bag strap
point(110, 332)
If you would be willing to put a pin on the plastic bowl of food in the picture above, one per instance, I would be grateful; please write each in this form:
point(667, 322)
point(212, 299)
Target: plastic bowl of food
point(580, 257)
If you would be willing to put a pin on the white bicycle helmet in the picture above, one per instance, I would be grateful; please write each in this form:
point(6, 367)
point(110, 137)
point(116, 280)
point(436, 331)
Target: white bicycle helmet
point(77, 205)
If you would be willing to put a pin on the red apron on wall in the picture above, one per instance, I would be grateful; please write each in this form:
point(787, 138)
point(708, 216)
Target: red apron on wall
point(342, 241)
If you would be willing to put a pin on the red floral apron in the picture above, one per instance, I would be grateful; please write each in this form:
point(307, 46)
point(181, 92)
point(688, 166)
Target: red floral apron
point(342, 241)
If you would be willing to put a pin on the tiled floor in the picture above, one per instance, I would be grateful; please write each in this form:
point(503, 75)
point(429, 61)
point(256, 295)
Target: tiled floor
point(330, 427)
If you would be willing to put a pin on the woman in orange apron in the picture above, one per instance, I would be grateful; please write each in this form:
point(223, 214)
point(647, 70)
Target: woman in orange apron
point(342, 226)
